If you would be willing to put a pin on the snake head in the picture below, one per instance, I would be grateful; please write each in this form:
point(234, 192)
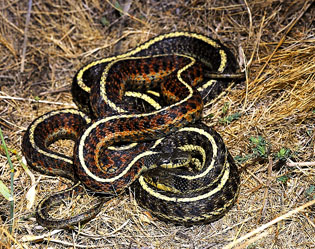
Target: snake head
point(173, 158)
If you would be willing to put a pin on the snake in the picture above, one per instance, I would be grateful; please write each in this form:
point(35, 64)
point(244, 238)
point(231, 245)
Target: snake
point(178, 167)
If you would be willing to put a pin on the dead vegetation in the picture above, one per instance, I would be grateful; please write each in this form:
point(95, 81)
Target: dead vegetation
point(267, 121)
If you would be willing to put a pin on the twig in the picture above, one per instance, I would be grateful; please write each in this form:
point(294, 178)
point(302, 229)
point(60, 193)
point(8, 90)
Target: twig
point(34, 100)
point(254, 239)
point(64, 243)
point(61, 90)
point(300, 164)
point(39, 238)
point(265, 226)
point(25, 34)
point(266, 191)
point(250, 17)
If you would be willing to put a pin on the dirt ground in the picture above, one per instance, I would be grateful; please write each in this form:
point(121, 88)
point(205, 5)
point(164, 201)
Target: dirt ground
point(266, 121)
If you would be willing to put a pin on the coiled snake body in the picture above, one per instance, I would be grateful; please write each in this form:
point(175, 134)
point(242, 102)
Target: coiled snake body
point(139, 124)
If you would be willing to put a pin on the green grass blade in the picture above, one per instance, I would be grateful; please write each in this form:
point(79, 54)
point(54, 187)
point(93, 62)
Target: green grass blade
point(12, 180)
point(5, 191)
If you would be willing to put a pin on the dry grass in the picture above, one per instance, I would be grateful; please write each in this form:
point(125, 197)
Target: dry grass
point(275, 43)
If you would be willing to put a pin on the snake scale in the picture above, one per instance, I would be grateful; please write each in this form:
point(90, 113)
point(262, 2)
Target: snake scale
point(138, 125)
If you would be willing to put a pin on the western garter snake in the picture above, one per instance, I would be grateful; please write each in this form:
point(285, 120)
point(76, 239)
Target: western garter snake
point(181, 71)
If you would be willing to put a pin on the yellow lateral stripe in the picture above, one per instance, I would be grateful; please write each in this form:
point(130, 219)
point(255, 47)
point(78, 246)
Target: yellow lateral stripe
point(202, 217)
point(157, 94)
point(163, 197)
point(124, 147)
point(223, 60)
point(144, 97)
point(138, 49)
